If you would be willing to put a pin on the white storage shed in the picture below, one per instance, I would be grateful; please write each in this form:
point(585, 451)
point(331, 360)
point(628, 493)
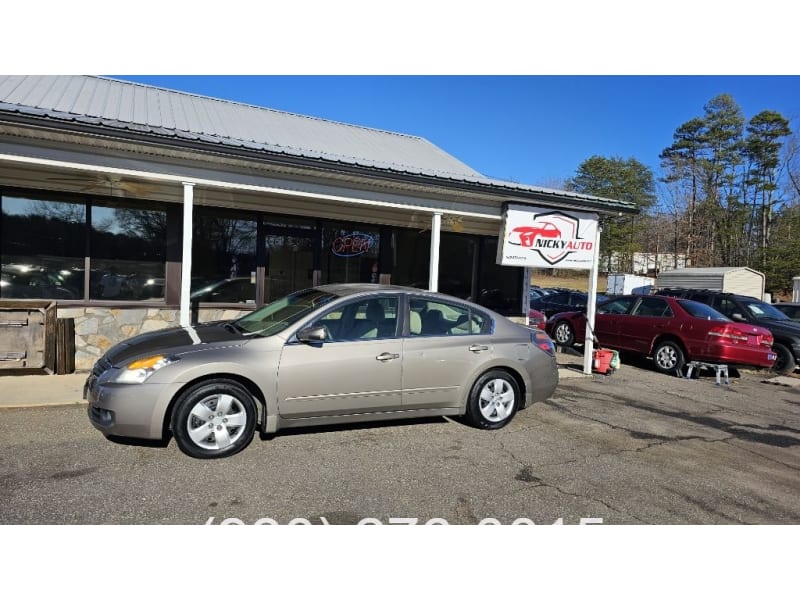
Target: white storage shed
point(627, 283)
point(735, 280)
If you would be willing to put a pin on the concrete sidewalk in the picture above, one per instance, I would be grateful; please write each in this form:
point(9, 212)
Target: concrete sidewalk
point(27, 391)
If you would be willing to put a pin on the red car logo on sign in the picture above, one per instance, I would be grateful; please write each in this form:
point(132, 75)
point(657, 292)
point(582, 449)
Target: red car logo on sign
point(527, 235)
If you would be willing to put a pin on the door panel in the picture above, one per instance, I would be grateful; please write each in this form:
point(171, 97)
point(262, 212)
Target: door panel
point(446, 343)
point(436, 369)
point(340, 378)
point(650, 318)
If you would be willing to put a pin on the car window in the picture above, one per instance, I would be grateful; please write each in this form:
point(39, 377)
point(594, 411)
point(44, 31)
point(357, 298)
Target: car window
point(577, 300)
point(558, 298)
point(763, 311)
point(726, 306)
point(701, 311)
point(652, 307)
point(619, 306)
point(361, 319)
point(793, 312)
point(429, 317)
point(284, 312)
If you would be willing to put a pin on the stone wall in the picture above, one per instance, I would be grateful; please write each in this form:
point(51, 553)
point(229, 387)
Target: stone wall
point(97, 329)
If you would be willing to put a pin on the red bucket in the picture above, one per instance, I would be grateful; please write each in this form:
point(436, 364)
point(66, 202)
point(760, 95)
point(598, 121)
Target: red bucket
point(602, 360)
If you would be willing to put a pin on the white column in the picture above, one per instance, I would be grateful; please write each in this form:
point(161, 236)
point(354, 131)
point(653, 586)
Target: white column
point(436, 228)
point(186, 269)
point(588, 346)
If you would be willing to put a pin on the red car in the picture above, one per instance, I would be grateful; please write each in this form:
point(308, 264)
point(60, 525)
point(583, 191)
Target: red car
point(528, 234)
point(537, 319)
point(673, 331)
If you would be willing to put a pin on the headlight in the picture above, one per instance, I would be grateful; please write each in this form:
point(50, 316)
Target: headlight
point(139, 370)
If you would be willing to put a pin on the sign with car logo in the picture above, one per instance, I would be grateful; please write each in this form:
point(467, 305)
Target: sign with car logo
point(537, 237)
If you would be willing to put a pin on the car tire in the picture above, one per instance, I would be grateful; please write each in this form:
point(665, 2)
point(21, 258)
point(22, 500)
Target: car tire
point(563, 335)
point(668, 357)
point(493, 400)
point(214, 419)
point(785, 363)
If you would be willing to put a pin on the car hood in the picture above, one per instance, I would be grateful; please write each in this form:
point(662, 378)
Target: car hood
point(175, 340)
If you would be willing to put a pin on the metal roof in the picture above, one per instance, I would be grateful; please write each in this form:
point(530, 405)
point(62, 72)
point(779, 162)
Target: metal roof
point(151, 111)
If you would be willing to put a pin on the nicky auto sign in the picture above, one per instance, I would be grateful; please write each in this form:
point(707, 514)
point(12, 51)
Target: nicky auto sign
point(555, 239)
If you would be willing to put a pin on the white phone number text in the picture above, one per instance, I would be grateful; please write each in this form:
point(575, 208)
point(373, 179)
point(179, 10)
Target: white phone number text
point(395, 521)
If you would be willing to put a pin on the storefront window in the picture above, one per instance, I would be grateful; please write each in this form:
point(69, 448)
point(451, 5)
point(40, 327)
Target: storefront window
point(467, 268)
point(411, 251)
point(290, 264)
point(42, 248)
point(499, 287)
point(223, 258)
point(350, 254)
point(128, 249)
point(456, 264)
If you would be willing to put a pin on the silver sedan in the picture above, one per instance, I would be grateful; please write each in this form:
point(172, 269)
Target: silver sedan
point(331, 354)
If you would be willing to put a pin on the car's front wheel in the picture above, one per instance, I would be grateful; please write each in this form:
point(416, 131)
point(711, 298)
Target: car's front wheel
point(785, 362)
point(669, 358)
point(214, 419)
point(563, 334)
point(493, 400)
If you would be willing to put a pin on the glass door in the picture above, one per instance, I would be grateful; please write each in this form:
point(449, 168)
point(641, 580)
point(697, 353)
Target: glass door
point(289, 263)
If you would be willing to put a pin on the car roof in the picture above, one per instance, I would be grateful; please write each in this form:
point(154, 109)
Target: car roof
point(670, 291)
point(348, 289)
point(351, 289)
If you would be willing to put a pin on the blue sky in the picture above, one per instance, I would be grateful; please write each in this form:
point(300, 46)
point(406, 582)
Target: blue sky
point(531, 129)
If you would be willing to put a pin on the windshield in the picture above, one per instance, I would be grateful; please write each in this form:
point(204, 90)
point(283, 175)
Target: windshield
point(284, 312)
point(762, 311)
point(702, 311)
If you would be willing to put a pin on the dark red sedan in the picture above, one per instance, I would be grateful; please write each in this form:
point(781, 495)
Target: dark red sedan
point(673, 331)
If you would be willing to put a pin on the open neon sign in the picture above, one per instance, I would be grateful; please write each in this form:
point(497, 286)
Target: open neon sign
point(353, 244)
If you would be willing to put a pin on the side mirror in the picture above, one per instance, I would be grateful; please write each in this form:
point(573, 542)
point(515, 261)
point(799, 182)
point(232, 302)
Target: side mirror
point(738, 317)
point(311, 335)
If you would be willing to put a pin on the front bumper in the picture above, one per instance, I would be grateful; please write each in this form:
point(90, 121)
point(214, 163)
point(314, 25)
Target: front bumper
point(127, 410)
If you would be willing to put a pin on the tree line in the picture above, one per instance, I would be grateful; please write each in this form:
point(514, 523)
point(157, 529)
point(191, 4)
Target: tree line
point(728, 195)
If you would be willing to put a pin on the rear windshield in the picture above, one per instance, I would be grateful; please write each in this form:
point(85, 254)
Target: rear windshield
point(702, 311)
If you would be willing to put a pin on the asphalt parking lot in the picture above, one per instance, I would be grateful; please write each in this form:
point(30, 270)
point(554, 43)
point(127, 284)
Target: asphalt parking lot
point(632, 447)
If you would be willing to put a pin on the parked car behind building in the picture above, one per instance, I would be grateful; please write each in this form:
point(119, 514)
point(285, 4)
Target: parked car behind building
point(790, 309)
point(746, 309)
point(563, 301)
point(673, 331)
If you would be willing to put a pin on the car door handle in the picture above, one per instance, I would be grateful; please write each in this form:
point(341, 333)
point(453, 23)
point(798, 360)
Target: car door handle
point(478, 348)
point(384, 356)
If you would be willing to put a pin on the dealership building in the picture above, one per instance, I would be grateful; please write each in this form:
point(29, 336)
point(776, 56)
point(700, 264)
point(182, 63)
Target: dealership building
point(135, 208)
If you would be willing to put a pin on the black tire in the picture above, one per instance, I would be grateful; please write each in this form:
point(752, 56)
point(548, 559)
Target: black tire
point(785, 363)
point(668, 357)
point(229, 429)
point(563, 335)
point(493, 400)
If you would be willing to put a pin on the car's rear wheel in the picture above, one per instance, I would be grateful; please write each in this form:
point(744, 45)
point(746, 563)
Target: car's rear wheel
point(785, 363)
point(493, 400)
point(668, 357)
point(214, 419)
point(563, 334)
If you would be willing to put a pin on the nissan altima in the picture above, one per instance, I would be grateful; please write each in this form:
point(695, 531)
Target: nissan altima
point(330, 354)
